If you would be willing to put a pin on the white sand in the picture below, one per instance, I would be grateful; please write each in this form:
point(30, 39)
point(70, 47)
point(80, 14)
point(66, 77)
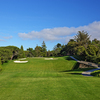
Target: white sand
point(50, 58)
point(20, 61)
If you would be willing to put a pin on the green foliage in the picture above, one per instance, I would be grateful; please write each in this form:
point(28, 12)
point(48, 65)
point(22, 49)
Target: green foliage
point(92, 50)
point(0, 64)
point(82, 47)
point(14, 50)
point(38, 51)
point(96, 73)
point(82, 38)
point(71, 47)
point(22, 48)
point(57, 50)
point(44, 50)
point(5, 54)
point(91, 53)
point(49, 53)
point(30, 52)
point(21, 53)
point(81, 50)
point(95, 41)
point(59, 45)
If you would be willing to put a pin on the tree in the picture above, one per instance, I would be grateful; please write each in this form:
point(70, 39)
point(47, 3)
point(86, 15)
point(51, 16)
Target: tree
point(58, 45)
point(21, 53)
point(14, 50)
point(91, 53)
point(31, 52)
point(44, 50)
point(5, 54)
point(21, 47)
point(38, 51)
point(82, 38)
point(71, 47)
point(81, 51)
point(49, 53)
point(95, 41)
point(57, 49)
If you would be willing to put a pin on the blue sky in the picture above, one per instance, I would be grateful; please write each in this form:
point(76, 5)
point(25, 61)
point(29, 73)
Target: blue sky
point(30, 22)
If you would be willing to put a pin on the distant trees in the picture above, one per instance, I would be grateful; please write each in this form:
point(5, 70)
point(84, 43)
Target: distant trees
point(30, 52)
point(38, 51)
point(57, 49)
point(81, 46)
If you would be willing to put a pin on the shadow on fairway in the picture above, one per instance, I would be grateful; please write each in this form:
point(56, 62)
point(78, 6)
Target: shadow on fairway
point(79, 69)
point(76, 71)
point(68, 58)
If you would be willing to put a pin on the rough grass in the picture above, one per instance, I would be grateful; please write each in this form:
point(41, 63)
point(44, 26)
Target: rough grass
point(41, 79)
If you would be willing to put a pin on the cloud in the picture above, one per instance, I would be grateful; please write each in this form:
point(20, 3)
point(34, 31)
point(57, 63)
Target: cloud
point(9, 37)
point(2, 40)
point(5, 38)
point(62, 33)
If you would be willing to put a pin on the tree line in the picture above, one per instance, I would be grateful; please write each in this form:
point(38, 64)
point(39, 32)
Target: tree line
point(81, 46)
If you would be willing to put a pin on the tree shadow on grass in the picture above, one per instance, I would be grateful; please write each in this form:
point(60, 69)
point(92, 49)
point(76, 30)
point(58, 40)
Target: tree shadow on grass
point(76, 71)
point(79, 69)
point(68, 58)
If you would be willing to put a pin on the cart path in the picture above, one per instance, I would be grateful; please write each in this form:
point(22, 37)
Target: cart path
point(86, 73)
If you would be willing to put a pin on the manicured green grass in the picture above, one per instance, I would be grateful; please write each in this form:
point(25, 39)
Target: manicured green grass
point(41, 79)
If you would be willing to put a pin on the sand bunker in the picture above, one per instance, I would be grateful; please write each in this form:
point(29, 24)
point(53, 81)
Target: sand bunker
point(20, 61)
point(51, 58)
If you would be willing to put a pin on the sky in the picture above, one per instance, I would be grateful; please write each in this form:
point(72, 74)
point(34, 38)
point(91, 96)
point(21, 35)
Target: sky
point(30, 22)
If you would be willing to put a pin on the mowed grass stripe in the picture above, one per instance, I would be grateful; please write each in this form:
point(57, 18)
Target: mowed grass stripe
point(41, 79)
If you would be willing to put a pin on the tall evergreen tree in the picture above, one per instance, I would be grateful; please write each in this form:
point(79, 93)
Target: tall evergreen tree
point(22, 53)
point(44, 50)
point(82, 38)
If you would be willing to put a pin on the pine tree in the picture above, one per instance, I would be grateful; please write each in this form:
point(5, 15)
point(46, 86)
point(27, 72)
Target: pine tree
point(44, 50)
